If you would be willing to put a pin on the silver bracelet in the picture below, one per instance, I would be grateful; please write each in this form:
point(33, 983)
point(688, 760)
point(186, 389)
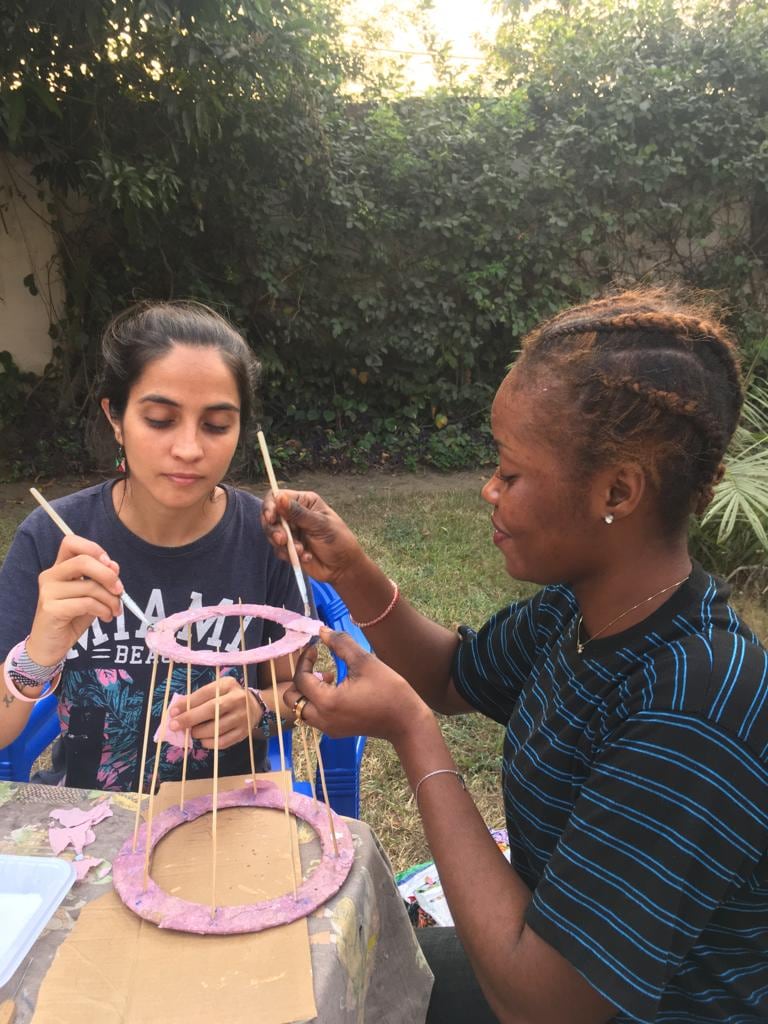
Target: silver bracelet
point(437, 771)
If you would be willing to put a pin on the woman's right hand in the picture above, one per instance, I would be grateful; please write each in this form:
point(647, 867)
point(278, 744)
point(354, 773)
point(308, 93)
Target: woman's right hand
point(326, 546)
point(83, 584)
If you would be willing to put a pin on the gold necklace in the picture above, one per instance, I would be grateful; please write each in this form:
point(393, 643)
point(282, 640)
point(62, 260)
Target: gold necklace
point(580, 646)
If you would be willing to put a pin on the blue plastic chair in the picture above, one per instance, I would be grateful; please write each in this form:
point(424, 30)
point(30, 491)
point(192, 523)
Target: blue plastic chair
point(41, 730)
point(341, 758)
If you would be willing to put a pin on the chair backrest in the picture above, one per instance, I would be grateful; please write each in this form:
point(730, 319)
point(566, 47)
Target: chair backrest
point(341, 758)
point(41, 730)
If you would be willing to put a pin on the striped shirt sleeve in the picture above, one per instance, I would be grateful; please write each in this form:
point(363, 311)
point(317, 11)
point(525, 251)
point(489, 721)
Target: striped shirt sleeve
point(671, 822)
point(490, 670)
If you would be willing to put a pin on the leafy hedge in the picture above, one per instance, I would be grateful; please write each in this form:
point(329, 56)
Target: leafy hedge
point(384, 257)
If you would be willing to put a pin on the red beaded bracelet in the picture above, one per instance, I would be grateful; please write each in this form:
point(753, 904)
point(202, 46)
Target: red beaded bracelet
point(384, 614)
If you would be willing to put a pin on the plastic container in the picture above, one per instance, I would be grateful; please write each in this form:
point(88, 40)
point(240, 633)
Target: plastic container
point(31, 888)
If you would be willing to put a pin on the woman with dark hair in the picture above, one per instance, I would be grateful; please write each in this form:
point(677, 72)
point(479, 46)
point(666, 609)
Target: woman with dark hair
point(635, 701)
point(176, 393)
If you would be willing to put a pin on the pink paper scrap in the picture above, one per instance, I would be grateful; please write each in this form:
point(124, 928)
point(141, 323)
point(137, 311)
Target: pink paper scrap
point(77, 830)
point(84, 865)
point(174, 737)
point(70, 816)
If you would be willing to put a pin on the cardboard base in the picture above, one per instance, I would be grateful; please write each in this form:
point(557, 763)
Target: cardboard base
point(114, 967)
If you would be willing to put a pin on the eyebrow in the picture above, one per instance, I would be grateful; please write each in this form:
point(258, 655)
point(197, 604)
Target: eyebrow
point(216, 407)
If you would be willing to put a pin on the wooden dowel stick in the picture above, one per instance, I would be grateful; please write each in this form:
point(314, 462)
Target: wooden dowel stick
point(187, 735)
point(155, 769)
point(248, 705)
point(310, 774)
point(51, 511)
point(321, 769)
point(293, 554)
point(125, 596)
point(302, 727)
point(278, 718)
point(144, 750)
point(215, 803)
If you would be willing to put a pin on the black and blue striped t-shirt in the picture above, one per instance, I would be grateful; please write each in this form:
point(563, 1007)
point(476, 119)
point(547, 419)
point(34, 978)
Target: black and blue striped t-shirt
point(636, 794)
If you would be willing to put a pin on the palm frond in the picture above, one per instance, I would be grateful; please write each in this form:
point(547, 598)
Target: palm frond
point(755, 412)
point(742, 494)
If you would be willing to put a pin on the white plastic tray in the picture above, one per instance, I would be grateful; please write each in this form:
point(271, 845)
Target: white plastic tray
point(31, 888)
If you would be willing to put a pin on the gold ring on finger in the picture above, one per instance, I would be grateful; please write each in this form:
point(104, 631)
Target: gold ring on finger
point(298, 708)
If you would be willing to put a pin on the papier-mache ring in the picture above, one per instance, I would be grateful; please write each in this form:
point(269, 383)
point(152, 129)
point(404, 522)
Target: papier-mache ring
point(161, 637)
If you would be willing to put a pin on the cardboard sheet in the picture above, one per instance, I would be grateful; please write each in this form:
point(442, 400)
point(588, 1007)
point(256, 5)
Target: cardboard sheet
point(114, 967)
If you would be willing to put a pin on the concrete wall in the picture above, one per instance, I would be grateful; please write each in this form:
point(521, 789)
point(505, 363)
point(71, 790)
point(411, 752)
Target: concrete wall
point(27, 246)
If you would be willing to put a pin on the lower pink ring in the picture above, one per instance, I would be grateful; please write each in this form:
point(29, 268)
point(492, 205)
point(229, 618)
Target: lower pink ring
point(154, 904)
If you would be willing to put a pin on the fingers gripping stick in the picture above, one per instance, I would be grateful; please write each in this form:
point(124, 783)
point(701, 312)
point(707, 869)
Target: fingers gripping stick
point(292, 553)
point(124, 597)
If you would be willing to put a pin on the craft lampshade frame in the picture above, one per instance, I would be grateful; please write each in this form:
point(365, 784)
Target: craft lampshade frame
point(144, 896)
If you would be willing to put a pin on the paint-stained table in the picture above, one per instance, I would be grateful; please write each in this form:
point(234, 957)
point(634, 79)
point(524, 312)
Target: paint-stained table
point(366, 963)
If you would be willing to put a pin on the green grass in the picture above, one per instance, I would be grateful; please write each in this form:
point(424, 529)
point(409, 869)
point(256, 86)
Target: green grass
point(433, 536)
point(438, 547)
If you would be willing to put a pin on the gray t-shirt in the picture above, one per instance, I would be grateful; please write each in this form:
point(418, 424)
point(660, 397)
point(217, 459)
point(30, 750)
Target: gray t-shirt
point(105, 683)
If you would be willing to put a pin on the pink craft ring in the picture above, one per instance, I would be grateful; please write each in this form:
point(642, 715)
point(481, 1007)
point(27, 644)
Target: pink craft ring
point(154, 904)
point(161, 637)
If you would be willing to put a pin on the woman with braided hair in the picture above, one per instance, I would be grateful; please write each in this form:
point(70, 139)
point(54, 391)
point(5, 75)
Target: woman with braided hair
point(635, 701)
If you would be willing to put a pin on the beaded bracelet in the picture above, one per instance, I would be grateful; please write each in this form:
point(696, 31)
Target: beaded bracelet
point(265, 724)
point(384, 614)
point(268, 716)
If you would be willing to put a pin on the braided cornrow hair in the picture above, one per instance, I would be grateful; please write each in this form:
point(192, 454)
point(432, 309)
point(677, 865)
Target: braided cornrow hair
point(653, 378)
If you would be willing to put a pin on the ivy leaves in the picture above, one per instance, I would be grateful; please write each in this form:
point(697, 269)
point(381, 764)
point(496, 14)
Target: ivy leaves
point(208, 148)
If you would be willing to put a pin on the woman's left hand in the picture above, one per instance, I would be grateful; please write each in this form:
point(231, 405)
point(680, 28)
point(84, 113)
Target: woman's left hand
point(233, 713)
point(373, 700)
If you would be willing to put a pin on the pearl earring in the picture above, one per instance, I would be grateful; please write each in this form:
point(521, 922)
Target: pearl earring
point(609, 518)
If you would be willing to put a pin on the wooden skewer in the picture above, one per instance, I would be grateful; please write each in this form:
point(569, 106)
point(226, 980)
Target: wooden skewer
point(325, 793)
point(125, 596)
point(215, 804)
point(310, 774)
point(187, 736)
point(293, 554)
point(155, 769)
point(51, 511)
point(302, 726)
point(248, 705)
point(276, 698)
point(144, 751)
point(321, 769)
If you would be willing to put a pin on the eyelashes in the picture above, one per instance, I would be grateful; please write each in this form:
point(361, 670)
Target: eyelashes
point(211, 428)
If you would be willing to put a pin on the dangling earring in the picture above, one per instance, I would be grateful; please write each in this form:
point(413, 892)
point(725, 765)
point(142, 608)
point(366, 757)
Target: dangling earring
point(120, 459)
point(608, 519)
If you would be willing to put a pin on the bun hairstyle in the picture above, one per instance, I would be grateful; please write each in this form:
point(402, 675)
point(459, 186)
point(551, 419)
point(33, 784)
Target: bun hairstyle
point(647, 377)
point(147, 331)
